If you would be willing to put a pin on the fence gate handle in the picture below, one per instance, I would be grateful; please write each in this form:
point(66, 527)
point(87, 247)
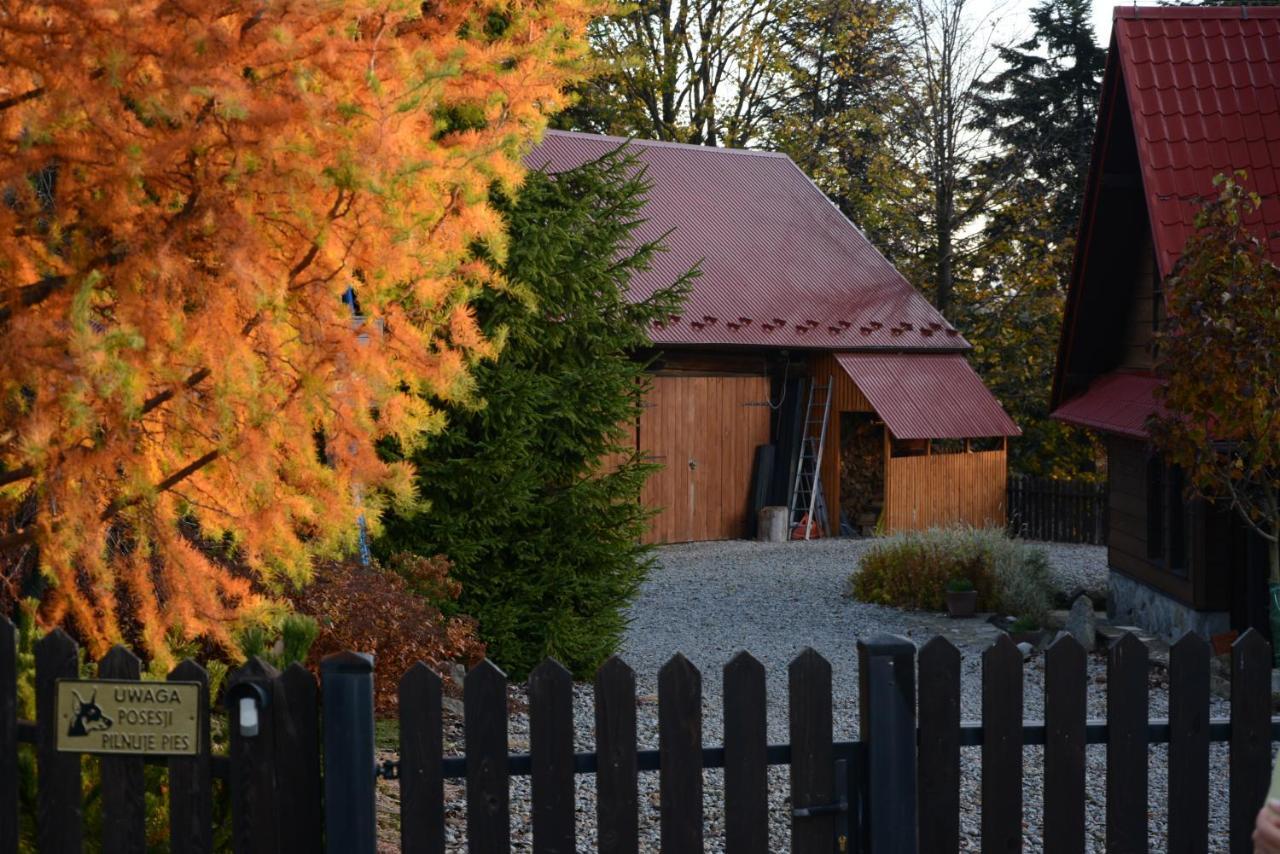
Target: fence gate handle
point(840, 808)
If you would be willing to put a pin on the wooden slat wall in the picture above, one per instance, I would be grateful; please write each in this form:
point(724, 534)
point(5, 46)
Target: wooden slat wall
point(945, 489)
point(717, 422)
point(846, 397)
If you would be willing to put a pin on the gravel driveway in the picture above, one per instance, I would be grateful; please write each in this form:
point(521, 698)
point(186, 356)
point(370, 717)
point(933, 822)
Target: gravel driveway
point(709, 600)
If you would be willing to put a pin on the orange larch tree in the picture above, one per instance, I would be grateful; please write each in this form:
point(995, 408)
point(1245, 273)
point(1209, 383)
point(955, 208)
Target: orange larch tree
point(186, 192)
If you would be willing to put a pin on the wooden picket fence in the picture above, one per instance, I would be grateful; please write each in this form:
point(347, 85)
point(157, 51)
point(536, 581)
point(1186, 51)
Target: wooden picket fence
point(1060, 511)
point(845, 795)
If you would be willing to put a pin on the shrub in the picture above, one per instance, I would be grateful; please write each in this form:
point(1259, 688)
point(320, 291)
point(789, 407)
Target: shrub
point(1024, 624)
point(914, 569)
point(959, 585)
point(375, 610)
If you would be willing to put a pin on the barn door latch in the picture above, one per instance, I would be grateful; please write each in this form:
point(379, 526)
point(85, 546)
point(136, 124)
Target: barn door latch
point(838, 808)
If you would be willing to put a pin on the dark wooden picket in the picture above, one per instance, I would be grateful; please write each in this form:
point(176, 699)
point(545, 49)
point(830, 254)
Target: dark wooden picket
point(1189, 745)
point(909, 753)
point(297, 724)
point(488, 791)
point(812, 759)
point(8, 735)
point(680, 749)
point(1002, 747)
point(191, 778)
point(746, 784)
point(1065, 712)
point(421, 752)
point(551, 755)
point(59, 808)
point(1127, 745)
point(938, 762)
point(124, 817)
point(1250, 734)
point(617, 789)
point(254, 798)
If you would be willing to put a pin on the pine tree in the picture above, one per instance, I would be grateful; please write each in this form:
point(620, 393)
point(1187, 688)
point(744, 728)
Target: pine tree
point(1041, 113)
point(188, 189)
point(833, 115)
point(534, 496)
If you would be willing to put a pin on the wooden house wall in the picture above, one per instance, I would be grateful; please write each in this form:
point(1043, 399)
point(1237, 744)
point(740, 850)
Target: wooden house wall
point(1205, 585)
point(704, 431)
point(1137, 352)
point(846, 397)
point(946, 489)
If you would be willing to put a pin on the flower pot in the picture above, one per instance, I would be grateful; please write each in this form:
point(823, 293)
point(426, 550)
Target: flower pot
point(1034, 637)
point(963, 603)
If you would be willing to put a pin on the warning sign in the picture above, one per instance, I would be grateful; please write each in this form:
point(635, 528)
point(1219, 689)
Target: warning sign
point(119, 716)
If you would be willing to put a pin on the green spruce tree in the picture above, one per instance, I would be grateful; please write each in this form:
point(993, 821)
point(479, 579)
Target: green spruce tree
point(1042, 110)
point(534, 494)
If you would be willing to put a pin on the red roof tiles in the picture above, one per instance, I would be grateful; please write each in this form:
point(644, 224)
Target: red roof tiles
point(927, 396)
point(1119, 402)
point(780, 265)
point(1204, 92)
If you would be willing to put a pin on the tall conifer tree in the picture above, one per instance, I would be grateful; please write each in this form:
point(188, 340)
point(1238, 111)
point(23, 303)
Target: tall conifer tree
point(1041, 112)
point(535, 495)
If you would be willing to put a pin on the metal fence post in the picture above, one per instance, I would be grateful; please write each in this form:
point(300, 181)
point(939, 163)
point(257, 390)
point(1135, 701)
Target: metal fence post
point(347, 684)
point(887, 702)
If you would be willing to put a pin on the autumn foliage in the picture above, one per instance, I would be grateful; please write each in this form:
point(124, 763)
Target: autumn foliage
point(188, 190)
point(1219, 355)
point(392, 612)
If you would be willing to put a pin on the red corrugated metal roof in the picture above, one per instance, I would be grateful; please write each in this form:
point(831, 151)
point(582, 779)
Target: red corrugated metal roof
point(781, 266)
point(927, 396)
point(1119, 402)
point(1204, 91)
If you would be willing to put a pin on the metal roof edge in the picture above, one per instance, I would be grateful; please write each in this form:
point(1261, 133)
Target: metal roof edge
point(662, 143)
point(1107, 99)
point(1173, 13)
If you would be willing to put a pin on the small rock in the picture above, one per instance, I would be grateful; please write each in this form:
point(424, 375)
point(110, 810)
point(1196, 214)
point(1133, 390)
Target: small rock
point(452, 705)
point(1082, 622)
point(458, 672)
point(1026, 649)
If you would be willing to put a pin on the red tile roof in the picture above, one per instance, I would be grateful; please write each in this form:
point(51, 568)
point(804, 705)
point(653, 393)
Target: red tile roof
point(927, 396)
point(1120, 402)
point(781, 266)
point(1201, 86)
point(1204, 91)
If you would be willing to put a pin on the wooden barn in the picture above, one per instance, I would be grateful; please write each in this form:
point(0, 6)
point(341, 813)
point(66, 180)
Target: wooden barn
point(794, 304)
point(1188, 94)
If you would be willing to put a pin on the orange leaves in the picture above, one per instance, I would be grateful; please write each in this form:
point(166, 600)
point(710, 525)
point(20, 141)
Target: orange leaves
point(188, 192)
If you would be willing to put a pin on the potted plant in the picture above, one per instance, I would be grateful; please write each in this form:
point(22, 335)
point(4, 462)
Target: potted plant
point(1026, 630)
point(962, 599)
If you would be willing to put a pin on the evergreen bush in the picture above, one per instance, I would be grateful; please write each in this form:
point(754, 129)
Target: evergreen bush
point(533, 494)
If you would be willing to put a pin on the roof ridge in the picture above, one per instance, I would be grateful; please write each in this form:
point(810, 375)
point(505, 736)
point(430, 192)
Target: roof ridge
point(1135, 12)
point(660, 143)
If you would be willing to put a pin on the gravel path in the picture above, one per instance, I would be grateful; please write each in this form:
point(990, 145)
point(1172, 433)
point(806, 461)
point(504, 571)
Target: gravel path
point(709, 600)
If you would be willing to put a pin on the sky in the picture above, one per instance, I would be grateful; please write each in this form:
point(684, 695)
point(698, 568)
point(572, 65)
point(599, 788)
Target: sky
point(1011, 18)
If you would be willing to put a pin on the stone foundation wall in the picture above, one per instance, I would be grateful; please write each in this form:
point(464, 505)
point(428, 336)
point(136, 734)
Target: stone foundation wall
point(1132, 603)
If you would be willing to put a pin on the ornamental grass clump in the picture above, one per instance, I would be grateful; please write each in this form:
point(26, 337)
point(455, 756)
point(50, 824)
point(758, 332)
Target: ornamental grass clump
point(914, 569)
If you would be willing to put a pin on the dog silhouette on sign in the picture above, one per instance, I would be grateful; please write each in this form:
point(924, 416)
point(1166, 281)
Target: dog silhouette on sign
point(89, 717)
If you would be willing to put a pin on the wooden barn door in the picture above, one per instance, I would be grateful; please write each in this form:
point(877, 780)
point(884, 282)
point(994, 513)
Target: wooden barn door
point(704, 431)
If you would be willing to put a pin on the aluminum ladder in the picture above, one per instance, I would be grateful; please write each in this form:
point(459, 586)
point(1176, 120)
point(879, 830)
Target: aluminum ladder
point(806, 494)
